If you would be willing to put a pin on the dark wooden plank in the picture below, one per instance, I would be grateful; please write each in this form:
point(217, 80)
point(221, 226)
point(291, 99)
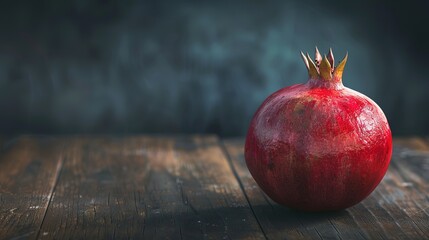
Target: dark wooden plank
point(148, 187)
point(29, 168)
point(414, 155)
point(405, 188)
point(396, 209)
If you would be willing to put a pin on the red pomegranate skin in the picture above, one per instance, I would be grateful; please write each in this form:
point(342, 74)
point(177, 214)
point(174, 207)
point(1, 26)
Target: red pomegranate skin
point(318, 146)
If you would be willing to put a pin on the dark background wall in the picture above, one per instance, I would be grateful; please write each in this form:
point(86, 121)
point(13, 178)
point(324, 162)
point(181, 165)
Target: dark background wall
point(199, 66)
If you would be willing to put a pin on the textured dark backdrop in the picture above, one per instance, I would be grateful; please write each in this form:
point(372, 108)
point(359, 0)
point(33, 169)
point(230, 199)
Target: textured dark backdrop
point(198, 66)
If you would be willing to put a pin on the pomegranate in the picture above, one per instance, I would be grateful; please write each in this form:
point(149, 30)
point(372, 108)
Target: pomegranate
point(318, 146)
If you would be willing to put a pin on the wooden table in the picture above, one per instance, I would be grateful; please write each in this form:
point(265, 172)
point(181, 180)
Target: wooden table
point(185, 187)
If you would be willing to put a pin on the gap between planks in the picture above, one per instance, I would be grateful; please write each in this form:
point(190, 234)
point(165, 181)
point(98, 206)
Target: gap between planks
point(30, 168)
point(52, 191)
point(231, 165)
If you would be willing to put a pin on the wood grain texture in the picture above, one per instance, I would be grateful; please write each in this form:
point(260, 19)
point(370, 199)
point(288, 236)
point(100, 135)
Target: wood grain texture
point(29, 168)
point(185, 188)
point(148, 187)
point(397, 209)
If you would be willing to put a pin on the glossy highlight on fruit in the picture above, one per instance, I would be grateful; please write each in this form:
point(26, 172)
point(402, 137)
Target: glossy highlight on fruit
point(318, 146)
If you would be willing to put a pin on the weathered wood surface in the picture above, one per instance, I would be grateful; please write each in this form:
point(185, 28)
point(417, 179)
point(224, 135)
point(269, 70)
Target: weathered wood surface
point(29, 168)
point(397, 209)
point(189, 187)
point(140, 187)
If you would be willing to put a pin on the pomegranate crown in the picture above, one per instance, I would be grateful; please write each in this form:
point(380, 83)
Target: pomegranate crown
point(324, 67)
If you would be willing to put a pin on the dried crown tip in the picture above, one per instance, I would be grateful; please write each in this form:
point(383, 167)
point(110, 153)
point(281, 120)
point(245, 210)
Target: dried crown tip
point(325, 70)
point(331, 58)
point(305, 60)
point(338, 72)
point(312, 69)
point(324, 67)
point(317, 57)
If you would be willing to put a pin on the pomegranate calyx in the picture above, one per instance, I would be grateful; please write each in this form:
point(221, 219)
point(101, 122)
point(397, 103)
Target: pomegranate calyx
point(338, 72)
point(324, 68)
point(313, 71)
